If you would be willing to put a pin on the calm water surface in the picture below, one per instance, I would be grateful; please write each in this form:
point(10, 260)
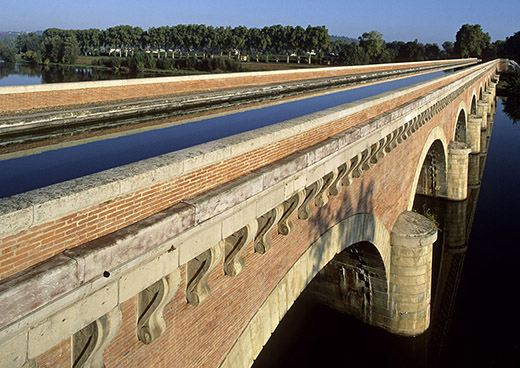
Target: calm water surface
point(39, 170)
point(483, 323)
point(20, 74)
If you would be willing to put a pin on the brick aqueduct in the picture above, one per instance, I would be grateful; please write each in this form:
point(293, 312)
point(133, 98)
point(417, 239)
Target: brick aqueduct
point(192, 258)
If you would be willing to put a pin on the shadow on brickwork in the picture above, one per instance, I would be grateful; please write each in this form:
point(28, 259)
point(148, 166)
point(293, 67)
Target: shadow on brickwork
point(313, 334)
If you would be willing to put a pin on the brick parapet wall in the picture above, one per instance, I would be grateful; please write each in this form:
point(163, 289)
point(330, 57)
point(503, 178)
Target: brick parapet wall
point(26, 98)
point(33, 229)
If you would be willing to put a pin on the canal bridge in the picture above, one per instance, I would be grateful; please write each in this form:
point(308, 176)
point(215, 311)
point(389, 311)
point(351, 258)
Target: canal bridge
point(191, 258)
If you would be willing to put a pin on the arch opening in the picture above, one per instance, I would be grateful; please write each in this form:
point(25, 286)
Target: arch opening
point(432, 178)
point(353, 282)
point(473, 109)
point(460, 129)
point(480, 94)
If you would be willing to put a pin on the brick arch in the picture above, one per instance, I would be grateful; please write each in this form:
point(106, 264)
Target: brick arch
point(360, 228)
point(436, 135)
point(460, 127)
point(473, 104)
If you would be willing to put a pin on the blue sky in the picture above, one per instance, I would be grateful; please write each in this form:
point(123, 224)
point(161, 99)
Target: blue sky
point(403, 20)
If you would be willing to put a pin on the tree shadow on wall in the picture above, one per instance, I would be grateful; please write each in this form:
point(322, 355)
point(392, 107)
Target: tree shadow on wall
point(311, 334)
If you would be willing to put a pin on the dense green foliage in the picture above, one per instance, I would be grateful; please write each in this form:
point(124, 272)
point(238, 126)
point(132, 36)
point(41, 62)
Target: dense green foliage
point(471, 41)
point(510, 82)
point(64, 46)
point(142, 61)
point(7, 53)
point(190, 45)
point(512, 47)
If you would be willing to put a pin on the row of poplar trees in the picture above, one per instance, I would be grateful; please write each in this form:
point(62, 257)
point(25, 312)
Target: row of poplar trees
point(64, 46)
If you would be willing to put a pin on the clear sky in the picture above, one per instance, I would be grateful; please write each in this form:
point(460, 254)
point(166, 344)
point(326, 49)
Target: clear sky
point(403, 20)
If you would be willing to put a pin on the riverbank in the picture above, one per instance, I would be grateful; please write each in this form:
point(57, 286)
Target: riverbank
point(168, 66)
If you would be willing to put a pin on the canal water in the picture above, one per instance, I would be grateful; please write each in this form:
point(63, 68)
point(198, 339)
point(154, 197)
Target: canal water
point(475, 298)
point(38, 170)
point(22, 74)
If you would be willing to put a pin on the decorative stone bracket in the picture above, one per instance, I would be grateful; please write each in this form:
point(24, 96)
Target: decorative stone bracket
point(198, 271)
point(150, 305)
point(89, 343)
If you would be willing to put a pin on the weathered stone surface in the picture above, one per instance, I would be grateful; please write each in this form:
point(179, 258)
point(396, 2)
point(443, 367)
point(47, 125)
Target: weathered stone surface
point(413, 229)
point(139, 278)
point(283, 168)
point(16, 214)
point(112, 250)
point(22, 293)
point(13, 352)
point(71, 319)
point(227, 196)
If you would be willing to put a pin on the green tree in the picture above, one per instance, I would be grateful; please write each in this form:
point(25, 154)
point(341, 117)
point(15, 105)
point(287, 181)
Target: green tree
point(471, 41)
point(265, 42)
point(70, 50)
point(373, 44)
point(277, 35)
point(238, 39)
point(254, 41)
point(512, 47)
point(355, 55)
point(411, 51)
point(7, 53)
point(29, 42)
point(317, 39)
point(447, 47)
point(432, 51)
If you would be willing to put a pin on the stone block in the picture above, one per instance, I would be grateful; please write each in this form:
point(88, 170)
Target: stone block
point(321, 150)
point(269, 199)
point(61, 199)
point(36, 286)
point(274, 310)
point(263, 321)
point(139, 278)
point(197, 242)
point(283, 168)
point(71, 319)
point(16, 214)
point(283, 303)
point(246, 348)
point(13, 352)
point(412, 230)
point(233, 359)
point(244, 214)
point(226, 196)
point(203, 155)
point(115, 249)
point(143, 174)
point(256, 335)
point(314, 173)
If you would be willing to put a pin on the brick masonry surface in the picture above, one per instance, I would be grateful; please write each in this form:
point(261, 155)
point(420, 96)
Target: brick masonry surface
point(55, 96)
point(24, 249)
point(201, 336)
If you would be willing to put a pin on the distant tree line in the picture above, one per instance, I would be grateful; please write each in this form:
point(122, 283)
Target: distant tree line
point(270, 43)
point(62, 46)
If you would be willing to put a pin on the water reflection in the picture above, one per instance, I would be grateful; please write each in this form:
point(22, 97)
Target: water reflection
point(512, 108)
point(12, 74)
point(37, 170)
point(312, 335)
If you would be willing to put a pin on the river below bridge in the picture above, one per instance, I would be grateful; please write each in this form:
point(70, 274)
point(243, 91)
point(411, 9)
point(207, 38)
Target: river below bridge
point(476, 327)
